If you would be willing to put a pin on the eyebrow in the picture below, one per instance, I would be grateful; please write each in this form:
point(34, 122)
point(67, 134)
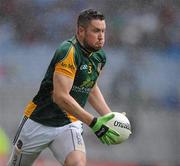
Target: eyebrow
point(98, 28)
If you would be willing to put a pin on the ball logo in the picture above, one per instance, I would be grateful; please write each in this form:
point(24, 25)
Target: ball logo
point(122, 125)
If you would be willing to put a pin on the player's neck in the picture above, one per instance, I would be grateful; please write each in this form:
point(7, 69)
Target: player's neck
point(82, 45)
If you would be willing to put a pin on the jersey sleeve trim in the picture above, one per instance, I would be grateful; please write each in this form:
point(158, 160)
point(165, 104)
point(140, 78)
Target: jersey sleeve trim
point(71, 117)
point(29, 109)
point(67, 65)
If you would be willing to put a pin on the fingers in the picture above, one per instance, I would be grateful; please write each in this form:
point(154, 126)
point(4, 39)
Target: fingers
point(113, 132)
point(110, 139)
point(106, 118)
point(102, 140)
point(114, 139)
point(112, 136)
point(106, 140)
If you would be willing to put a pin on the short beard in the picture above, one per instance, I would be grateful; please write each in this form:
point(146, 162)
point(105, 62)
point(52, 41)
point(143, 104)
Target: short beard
point(89, 48)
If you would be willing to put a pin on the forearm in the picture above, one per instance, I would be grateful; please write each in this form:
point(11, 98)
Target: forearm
point(98, 102)
point(68, 104)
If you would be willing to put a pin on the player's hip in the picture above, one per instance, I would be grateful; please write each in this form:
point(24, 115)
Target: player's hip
point(34, 137)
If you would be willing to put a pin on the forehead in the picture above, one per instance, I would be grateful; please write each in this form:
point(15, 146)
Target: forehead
point(99, 24)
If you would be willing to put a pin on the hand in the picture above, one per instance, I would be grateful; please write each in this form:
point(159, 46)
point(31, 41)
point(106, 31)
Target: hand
point(103, 132)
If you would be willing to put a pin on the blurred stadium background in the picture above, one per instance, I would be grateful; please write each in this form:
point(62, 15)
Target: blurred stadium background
point(142, 76)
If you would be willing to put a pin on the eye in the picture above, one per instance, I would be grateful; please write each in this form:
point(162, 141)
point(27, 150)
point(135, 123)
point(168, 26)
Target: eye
point(96, 30)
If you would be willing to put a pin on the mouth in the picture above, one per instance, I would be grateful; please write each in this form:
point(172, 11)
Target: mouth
point(100, 43)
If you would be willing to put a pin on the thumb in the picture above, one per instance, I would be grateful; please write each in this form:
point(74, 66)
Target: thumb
point(108, 117)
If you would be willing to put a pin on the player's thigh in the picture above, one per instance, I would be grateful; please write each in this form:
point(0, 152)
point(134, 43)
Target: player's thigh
point(69, 144)
point(31, 138)
point(18, 158)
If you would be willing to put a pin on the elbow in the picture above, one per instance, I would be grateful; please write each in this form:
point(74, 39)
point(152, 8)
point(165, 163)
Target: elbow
point(58, 98)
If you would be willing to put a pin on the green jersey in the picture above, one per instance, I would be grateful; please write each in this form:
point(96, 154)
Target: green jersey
point(72, 60)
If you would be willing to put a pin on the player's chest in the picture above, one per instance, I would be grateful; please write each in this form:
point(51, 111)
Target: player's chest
point(88, 72)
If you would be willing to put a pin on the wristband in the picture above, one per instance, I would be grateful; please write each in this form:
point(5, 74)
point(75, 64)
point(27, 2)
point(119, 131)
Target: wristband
point(93, 122)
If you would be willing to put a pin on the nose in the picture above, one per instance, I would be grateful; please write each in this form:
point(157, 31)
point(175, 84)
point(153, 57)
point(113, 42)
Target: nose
point(101, 36)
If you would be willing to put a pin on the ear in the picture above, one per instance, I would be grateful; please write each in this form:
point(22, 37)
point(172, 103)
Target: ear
point(80, 30)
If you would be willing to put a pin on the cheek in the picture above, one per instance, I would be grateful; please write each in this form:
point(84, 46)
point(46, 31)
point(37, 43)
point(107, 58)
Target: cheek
point(91, 38)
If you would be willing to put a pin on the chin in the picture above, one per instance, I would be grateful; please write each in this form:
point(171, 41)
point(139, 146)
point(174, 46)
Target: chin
point(91, 47)
point(98, 48)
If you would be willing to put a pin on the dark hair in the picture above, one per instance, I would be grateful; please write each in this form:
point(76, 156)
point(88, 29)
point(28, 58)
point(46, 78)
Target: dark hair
point(87, 15)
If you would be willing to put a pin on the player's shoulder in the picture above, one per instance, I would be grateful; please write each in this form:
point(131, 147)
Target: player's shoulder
point(101, 54)
point(63, 47)
point(63, 50)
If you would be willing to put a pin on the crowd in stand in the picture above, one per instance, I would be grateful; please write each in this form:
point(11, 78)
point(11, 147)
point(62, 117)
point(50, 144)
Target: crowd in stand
point(140, 23)
point(132, 26)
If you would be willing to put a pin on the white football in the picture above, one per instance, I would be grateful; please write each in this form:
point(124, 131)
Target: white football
point(121, 125)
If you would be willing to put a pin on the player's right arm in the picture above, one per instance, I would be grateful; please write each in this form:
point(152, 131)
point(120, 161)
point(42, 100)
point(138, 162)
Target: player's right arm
point(62, 86)
point(61, 96)
point(63, 78)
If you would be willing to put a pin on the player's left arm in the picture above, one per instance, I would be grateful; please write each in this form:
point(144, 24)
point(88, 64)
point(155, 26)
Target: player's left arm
point(97, 101)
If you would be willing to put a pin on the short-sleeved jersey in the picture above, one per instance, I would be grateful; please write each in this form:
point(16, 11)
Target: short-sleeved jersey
point(73, 61)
